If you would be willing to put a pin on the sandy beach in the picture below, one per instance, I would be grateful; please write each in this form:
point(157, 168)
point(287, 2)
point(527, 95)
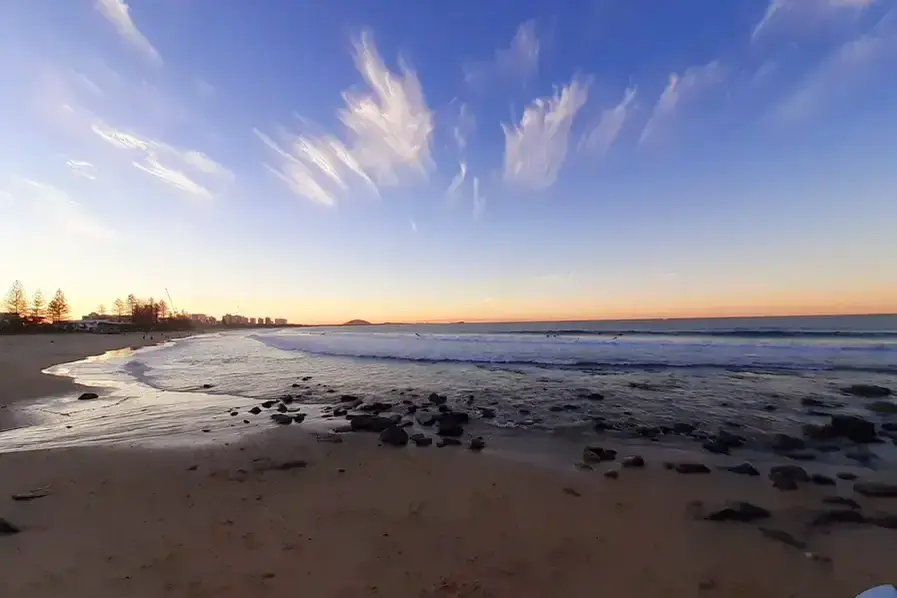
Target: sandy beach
point(285, 513)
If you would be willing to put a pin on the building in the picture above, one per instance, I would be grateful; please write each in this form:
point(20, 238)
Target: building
point(268, 322)
point(202, 319)
point(280, 321)
point(252, 321)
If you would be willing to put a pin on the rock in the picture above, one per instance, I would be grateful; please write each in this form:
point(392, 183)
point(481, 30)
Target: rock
point(885, 407)
point(612, 474)
point(632, 461)
point(594, 396)
point(800, 455)
point(818, 432)
point(784, 442)
point(648, 431)
point(370, 423)
point(286, 399)
point(7, 528)
point(867, 391)
point(876, 489)
point(784, 484)
point(487, 413)
point(555, 408)
point(582, 465)
point(822, 480)
point(854, 428)
point(730, 439)
point(448, 442)
point(837, 516)
point(811, 402)
point(784, 537)
point(394, 436)
point(789, 472)
point(477, 444)
point(716, 447)
point(769, 407)
point(683, 428)
point(245, 421)
point(88, 396)
point(295, 464)
point(889, 426)
point(299, 418)
point(348, 399)
point(846, 475)
point(738, 511)
point(744, 469)
point(425, 418)
point(282, 418)
point(570, 407)
point(691, 468)
point(886, 521)
point(268, 404)
point(295, 385)
point(282, 408)
point(863, 457)
point(450, 424)
point(572, 492)
point(306, 378)
point(421, 439)
point(596, 454)
point(375, 407)
point(841, 501)
point(329, 437)
point(436, 399)
point(208, 385)
point(28, 496)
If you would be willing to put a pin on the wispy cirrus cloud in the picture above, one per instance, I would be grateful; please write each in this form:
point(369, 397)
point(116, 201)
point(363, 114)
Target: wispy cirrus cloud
point(783, 11)
point(602, 135)
point(535, 149)
point(82, 169)
point(387, 132)
point(118, 13)
point(167, 163)
point(517, 62)
point(479, 202)
point(680, 90)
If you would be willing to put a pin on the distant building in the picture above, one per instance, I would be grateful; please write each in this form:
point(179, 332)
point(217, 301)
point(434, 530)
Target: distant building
point(202, 319)
point(280, 321)
point(268, 322)
point(252, 321)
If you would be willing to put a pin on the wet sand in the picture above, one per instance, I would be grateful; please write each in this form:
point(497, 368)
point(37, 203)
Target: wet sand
point(364, 521)
point(24, 356)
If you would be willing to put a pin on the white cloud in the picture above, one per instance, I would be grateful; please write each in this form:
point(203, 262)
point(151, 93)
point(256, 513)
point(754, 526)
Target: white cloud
point(59, 213)
point(82, 169)
point(680, 90)
point(166, 162)
point(387, 136)
point(458, 180)
point(804, 10)
point(464, 127)
point(537, 147)
point(413, 226)
point(116, 12)
point(518, 62)
point(479, 202)
point(604, 133)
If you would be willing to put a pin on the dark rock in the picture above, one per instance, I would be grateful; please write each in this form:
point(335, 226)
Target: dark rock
point(876, 489)
point(648, 431)
point(406, 423)
point(208, 385)
point(744, 469)
point(282, 408)
point(596, 454)
point(730, 439)
point(7, 528)
point(524, 411)
point(841, 501)
point(819, 432)
point(889, 426)
point(885, 407)
point(583, 466)
point(572, 492)
point(295, 385)
point(863, 457)
point(268, 404)
point(329, 437)
point(87, 396)
point(245, 421)
point(451, 423)
point(425, 418)
point(683, 428)
point(789, 472)
point(868, 391)
point(854, 428)
point(800, 455)
point(811, 402)
point(294, 464)
point(282, 418)
point(819, 413)
point(784, 537)
point(255, 410)
point(306, 378)
point(886, 521)
point(286, 399)
point(299, 418)
point(340, 412)
point(838, 516)
point(477, 444)
point(784, 484)
point(375, 407)
point(822, 480)
point(594, 396)
point(691, 468)
point(612, 474)
point(570, 407)
point(28, 496)
point(487, 413)
point(784, 442)
point(555, 408)
point(206, 430)
point(738, 511)
point(769, 407)
point(348, 399)
point(436, 399)
point(394, 436)
point(632, 461)
point(421, 440)
point(370, 423)
point(448, 442)
point(717, 447)
point(846, 475)
point(600, 425)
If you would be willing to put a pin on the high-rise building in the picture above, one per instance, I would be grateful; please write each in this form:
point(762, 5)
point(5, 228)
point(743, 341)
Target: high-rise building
point(268, 321)
point(280, 321)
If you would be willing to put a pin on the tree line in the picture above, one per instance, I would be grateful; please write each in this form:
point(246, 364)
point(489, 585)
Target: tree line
point(37, 309)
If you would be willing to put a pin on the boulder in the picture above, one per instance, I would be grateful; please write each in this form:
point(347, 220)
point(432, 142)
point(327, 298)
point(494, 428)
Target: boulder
point(846, 475)
point(886, 521)
point(394, 436)
point(632, 461)
point(841, 501)
point(255, 410)
point(716, 447)
point(421, 439)
point(744, 512)
point(789, 472)
point(596, 454)
point(7, 528)
point(867, 391)
point(268, 404)
point(691, 468)
point(88, 396)
point(885, 407)
point(862, 455)
point(819, 433)
point(448, 442)
point(784, 443)
point(207, 385)
point(612, 474)
point(282, 419)
point(436, 399)
point(784, 484)
point(683, 428)
point(375, 407)
point(648, 431)
point(800, 455)
point(854, 428)
point(876, 489)
point(811, 402)
point(348, 399)
point(451, 423)
point(744, 469)
point(370, 423)
point(822, 480)
point(487, 413)
point(299, 418)
point(282, 408)
point(730, 439)
point(477, 444)
point(594, 396)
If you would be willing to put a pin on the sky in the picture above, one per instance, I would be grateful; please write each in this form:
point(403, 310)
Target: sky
point(438, 161)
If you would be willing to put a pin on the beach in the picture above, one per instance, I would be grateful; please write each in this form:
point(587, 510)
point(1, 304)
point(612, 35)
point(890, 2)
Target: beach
point(289, 510)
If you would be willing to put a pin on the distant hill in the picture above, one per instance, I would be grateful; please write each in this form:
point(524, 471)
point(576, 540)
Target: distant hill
point(357, 323)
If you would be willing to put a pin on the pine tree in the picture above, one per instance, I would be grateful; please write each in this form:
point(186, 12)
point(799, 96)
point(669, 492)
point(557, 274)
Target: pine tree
point(16, 300)
point(38, 306)
point(58, 308)
point(119, 307)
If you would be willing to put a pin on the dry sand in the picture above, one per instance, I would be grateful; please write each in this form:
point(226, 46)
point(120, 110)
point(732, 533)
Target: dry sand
point(361, 520)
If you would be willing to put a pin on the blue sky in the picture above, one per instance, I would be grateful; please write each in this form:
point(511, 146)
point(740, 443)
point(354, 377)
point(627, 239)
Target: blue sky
point(405, 160)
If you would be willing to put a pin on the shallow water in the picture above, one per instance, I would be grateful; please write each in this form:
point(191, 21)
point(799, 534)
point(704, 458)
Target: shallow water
point(536, 378)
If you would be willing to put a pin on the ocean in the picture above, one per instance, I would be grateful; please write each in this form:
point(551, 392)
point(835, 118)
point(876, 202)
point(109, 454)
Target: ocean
point(756, 375)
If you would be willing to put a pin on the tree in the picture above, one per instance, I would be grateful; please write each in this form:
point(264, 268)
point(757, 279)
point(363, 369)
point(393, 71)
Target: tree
point(101, 309)
point(119, 307)
point(58, 308)
point(16, 301)
point(132, 304)
point(163, 308)
point(38, 306)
